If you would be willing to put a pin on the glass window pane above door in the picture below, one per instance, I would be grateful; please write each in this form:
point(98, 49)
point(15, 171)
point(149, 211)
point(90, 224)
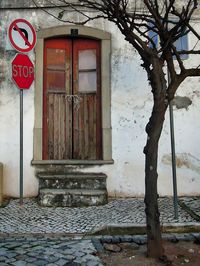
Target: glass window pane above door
point(87, 59)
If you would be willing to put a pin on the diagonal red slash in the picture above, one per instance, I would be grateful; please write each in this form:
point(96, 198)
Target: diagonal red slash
point(22, 35)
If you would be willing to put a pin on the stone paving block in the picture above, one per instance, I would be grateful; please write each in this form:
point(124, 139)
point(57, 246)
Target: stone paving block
point(37, 248)
point(94, 263)
point(11, 245)
point(26, 245)
point(69, 257)
point(30, 259)
point(79, 254)
point(21, 257)
point(61, 262)
point(68, 251)
point(98, 245)
point(189, 237)
point(10, 260)
point(33, 254)
point(3, 252)
point(79, 261)
point(20, 251)
point(196, 238)
point(140, 240)
point(106, 238)
point(3, 259)
point(126, 238)
point(58, 255)
point(49, 251)
point(89, 257)
point(52, 259)
point(19, 263)
point(180, 237)
point(174, 239)
point(19, 239)
point(195, 235)
point(116, 239)
point(40, 263)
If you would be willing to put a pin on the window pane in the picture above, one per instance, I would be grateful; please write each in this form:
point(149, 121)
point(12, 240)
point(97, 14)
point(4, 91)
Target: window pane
point(55, 80)
point(56, 58)
point(182, 45)
point(87, 59)
point(87, 81)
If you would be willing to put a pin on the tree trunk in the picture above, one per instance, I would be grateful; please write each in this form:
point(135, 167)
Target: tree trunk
point(154, 129)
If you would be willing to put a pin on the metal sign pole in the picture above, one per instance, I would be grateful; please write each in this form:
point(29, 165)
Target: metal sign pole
point(21, 147)
point(173, 152)
point(22, 37)
point(175, 198)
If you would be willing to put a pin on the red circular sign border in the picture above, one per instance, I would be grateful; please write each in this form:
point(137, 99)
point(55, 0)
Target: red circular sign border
point(11, 38)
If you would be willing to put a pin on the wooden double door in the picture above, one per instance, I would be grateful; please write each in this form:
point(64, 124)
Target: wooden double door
point(72, 100)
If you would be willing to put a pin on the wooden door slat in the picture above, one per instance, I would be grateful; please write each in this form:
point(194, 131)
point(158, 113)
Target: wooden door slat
point(86, 128)
point(50, 126)
point(56, 127)
point(62, 128)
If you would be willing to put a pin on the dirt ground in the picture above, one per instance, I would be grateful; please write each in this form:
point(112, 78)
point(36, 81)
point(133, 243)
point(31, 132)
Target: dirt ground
point(130, 254)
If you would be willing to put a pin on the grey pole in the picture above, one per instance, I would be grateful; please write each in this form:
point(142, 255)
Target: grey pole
point(21, 148)
point(175, 198)
point(173, 152)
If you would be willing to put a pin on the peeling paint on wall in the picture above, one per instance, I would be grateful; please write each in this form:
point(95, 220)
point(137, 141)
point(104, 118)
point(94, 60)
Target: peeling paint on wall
point(182, 102)
point(183, 160)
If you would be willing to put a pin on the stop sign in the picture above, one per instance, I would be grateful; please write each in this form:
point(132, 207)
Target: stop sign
point(22, 71)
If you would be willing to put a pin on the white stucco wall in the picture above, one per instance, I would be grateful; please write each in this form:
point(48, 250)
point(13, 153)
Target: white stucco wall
point(131, 107)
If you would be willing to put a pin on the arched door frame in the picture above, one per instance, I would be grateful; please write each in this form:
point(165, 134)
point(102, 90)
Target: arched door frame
point(80, 31)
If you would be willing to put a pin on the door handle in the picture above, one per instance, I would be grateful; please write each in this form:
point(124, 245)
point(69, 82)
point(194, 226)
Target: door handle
point(76, 99)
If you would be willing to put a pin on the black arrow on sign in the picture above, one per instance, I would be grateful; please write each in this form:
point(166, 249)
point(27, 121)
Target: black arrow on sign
point(24, 31)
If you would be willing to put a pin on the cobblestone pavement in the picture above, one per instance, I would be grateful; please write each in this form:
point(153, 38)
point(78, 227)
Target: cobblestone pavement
point(192, 205)
point(31, 218)
point(54, 251)
point(34, 235)
point(41, 251)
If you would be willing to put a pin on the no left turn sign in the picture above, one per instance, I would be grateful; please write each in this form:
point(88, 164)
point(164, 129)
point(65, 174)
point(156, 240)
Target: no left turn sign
point(22, 35)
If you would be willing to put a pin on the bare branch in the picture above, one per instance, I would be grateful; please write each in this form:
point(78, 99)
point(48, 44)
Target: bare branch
point(180, 62)
point(189, 52)
point(193, 72)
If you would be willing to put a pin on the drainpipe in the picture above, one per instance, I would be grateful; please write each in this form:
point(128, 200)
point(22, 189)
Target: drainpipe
point(1, 184)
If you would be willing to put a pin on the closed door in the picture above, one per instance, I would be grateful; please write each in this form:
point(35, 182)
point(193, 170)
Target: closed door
point(72, 100)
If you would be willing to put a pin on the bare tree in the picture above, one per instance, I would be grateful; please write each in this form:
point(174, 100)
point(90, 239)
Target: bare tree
point(169, 20)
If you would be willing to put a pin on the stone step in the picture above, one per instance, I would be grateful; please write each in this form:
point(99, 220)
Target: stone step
point(72, 197)
point(54, 180)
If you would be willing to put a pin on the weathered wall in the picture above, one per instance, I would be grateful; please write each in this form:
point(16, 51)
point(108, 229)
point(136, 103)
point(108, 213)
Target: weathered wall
point(131, 107)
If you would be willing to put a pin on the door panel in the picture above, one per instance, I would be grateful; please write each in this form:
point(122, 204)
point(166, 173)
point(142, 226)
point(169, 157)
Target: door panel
point(87, 121)
point(71, 100)
point(57, 116)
